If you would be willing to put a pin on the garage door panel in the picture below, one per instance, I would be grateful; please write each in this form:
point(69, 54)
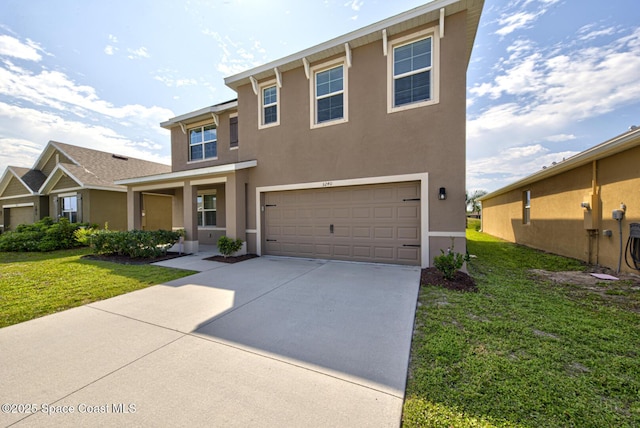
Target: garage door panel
point(383, 232)
point(383, 212)
point(408, 253)
point(408, 233)
point(370, 223)
point(408, 212)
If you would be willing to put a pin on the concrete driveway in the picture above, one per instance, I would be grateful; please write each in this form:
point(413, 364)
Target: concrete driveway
point(266, 342)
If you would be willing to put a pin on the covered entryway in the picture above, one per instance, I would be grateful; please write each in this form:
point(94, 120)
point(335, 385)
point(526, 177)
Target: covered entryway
point(367, 223)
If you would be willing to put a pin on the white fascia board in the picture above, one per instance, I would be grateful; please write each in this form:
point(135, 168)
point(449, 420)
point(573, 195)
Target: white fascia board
point(206, 111)
point(193, 173)
point(6, 177)
point(341, 40)
point(615, 145)
point(53, 178)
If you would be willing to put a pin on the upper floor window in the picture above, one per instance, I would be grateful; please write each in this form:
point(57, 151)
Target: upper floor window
point(329, 94)
point(233, 132)
point(269, 110)
point(413, 71)
point(203, 143)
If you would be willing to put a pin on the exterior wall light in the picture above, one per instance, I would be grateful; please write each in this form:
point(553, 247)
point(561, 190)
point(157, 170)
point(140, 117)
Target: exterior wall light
point(442, 194)
point(585, 205)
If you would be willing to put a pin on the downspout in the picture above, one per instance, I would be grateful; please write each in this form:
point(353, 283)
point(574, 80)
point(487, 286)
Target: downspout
point(594, 192)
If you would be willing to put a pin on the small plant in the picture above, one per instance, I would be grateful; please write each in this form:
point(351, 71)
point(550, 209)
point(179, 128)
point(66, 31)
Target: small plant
point(449, 263)
point(228, 246)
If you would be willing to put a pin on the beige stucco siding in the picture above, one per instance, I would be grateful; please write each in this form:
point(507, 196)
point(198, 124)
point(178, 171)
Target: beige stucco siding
point(557, 217)
point(101, 206)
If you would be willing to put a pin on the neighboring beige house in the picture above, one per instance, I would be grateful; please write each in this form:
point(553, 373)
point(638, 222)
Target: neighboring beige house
point(78, 183)
point(353, 149)
point(568, 208)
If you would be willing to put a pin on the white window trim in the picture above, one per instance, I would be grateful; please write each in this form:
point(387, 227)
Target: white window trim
point(312, 92)
point(262, 86)
point(435, 68)
point(204, 159)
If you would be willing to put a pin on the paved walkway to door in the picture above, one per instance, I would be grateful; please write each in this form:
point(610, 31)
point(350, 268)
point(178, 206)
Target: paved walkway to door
point(268, 342)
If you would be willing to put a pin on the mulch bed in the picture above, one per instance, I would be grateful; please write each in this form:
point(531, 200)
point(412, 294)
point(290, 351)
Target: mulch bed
point(232, 259)
point(124, 260)
point(461, 281)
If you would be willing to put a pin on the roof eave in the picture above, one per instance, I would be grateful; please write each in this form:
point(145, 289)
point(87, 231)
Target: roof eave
point(198, 114)
point(192, 173)
point(610, 147)
point(295, 60)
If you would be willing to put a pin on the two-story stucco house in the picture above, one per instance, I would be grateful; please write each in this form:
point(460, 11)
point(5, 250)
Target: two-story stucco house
point(353, 149)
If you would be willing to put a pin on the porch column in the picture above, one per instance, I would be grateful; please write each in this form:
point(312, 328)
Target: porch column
point(190, 210)
point(134, 214)
point(235, 209)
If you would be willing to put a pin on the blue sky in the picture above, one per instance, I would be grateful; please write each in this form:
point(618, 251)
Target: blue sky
point(547, 78)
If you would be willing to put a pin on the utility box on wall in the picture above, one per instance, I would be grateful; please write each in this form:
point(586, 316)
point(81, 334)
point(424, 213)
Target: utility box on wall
point(592, 214)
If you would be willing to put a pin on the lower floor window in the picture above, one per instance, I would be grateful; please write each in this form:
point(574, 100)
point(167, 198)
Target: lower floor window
point(69, 208)
point(207, 210)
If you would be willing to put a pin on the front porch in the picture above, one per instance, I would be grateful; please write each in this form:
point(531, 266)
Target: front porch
point(206, 203)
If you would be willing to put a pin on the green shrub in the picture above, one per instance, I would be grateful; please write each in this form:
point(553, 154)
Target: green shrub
point(133, 243)
point(44, 235)
point(228, 246)
point(449, 263)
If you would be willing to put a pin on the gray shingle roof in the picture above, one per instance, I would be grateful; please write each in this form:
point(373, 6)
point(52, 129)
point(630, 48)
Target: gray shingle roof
point(31, 177)
point(97, 168)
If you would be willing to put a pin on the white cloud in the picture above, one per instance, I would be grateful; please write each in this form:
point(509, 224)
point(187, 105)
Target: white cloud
point(38, 127)
point(110, 50)
point(542, 91)
point(354, 4)
point(517, 18)
point(235, 58)
point(512, 165)
point(54, 89)
point(558, 138)
point(511, 23)
point(587, 32)
point(139, 53)
point(12, 47)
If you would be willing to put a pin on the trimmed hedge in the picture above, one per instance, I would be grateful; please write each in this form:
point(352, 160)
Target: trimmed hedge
point(133, 243)
point(44, 235)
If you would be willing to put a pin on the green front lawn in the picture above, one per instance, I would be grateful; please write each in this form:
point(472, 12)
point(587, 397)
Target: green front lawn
point(523, 351)
point(37, 284)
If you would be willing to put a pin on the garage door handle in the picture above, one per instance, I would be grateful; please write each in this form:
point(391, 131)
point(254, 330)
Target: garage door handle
point(411, 245)
point(272, 240)
point(330, 228)
point(410, 199)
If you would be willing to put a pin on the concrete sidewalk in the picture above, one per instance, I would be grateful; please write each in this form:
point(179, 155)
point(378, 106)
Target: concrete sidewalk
point(265, 342)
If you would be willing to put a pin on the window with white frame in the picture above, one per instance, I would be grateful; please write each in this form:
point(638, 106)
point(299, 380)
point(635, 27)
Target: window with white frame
point(269, 111)
point(329, 94)
point(69, 208)
point(203, 143)
point(206, 209)
point(413, 71)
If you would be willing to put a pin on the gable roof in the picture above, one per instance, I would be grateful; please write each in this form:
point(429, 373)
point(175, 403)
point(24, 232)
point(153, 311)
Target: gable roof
point(396, 24)
point(610, 147)
point(29, 178)
point(94, 168)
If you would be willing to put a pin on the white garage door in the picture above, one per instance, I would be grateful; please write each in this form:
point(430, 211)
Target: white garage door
point(371, 223)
